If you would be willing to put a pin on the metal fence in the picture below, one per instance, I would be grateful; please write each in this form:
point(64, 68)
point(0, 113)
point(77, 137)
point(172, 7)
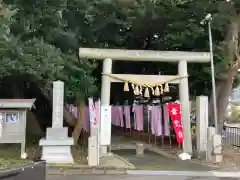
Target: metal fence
point(36, 171)
point(231, 135)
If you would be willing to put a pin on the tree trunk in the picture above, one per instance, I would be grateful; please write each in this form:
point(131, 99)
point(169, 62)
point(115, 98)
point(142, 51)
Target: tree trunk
point(66, 113)
point(224, 85)
point(33, 127)
point(78, 128)
point(223, 91)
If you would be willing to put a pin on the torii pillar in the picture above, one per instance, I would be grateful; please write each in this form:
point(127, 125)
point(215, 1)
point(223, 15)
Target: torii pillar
point(107, 55)
point(106, 91)
point(185, 108)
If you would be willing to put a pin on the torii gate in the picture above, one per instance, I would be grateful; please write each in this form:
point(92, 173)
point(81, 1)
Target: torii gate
point(182, 58)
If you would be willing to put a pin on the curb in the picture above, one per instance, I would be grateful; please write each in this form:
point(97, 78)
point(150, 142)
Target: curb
point(71, 169)
point(186, 173)
point(51, 170)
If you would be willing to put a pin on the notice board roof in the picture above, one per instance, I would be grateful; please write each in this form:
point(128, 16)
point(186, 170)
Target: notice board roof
point(16, 103)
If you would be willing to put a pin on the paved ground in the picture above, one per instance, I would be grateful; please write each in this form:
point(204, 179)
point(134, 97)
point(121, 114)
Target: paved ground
point(129, 177)
point(154, 161)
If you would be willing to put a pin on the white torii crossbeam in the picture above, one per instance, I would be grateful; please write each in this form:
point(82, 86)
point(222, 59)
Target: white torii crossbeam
point(143, 55)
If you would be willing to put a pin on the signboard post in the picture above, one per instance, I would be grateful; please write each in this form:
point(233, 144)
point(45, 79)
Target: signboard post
point(105, 125)
point(98, 106)
point(93, 141)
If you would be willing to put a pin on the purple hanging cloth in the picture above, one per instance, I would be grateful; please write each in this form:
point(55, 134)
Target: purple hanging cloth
point(159, 121)
point(120, 115)
point(117, 119)
point(140, 114)
point(126, 110)
point(115, 116)
point(156, 124)
point(166, 120)
point(138, 117)
point(134, 116)
point(153, 121)
point(72, 109)
point(75, 112)
point(98, 111)
point(112, 114)
point(86, 117)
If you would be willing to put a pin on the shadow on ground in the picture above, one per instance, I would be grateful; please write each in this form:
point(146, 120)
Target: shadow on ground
point(154, 161)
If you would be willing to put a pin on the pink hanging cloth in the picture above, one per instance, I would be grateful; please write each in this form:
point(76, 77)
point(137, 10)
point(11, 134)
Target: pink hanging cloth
point(159, 123)
point(112, 114)
point(86, 121)
point(166, 120)
point(134, 116)
point(141, 118)
point(120, 116)
point(153, 119)
point(126, 110)
point(138, 117)
point(72, 109)
point(156, 124)
point(86, 117)
point(98, 111)
point(118, 111)
point(115, 116)
point(75, 112)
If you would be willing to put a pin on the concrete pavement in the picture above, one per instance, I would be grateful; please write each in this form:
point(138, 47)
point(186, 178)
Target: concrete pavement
point(132, 177)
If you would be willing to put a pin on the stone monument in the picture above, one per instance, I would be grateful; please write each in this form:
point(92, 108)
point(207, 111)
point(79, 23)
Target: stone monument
point(56, 147)
point(202, 125)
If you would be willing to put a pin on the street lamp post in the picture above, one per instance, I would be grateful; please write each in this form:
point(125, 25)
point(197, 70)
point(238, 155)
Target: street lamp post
point(208, 20)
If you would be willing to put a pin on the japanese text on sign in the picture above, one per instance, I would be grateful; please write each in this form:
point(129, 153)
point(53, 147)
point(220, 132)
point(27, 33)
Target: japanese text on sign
point(175, 114)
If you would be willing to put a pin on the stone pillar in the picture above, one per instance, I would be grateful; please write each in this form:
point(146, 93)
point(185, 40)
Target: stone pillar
point(139, 150)
point(217, 148)
point(58, 100)
point(92, 151)
point(202, 125)
point(105, 91)
point(185, 109)
point(209, 154)
point(56, 147)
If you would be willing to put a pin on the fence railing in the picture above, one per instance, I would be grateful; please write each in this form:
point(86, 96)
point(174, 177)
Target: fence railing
point(36, 171)
point(231, 135)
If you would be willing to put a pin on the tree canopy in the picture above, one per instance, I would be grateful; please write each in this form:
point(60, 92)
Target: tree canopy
point(41, 38)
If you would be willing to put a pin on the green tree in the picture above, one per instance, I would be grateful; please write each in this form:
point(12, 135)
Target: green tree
point(165, 25)
point(38, 45)
point(43, 20)
point(137, 24)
